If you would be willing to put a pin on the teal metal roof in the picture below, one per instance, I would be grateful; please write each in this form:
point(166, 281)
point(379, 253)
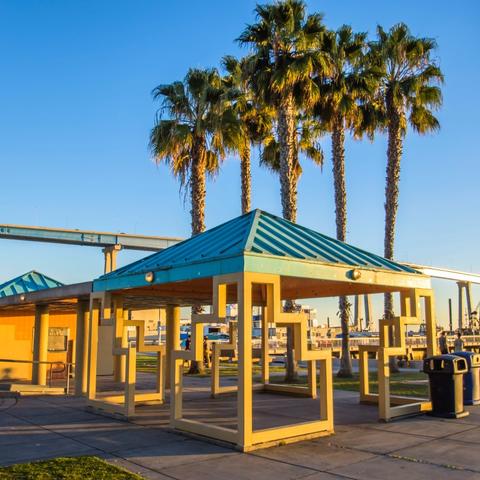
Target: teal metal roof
point(29, 282)
point(222, 250)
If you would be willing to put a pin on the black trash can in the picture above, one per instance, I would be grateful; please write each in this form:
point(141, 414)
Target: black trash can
point(445, 375)
point(471, 379)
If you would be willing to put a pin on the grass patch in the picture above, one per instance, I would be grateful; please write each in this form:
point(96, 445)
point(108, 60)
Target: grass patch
point(147, 364)
point(406, 384)
point(78, 468)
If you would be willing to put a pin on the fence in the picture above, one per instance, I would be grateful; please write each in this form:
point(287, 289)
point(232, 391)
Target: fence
point(64, 368)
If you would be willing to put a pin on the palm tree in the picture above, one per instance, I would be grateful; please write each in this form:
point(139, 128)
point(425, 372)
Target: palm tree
point(307, 136)
point(254, 119)
point(408, 93)
point(194, 128)
point(286, 46)
point(286, 51)
point(192, 133)
point(339, 110)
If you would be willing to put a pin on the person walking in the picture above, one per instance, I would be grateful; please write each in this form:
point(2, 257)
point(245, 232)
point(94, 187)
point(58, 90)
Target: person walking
point(206, 352)
point(459, 343)
point(442, 343)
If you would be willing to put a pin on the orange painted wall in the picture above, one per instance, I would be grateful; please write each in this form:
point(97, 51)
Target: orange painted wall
point(16, 341)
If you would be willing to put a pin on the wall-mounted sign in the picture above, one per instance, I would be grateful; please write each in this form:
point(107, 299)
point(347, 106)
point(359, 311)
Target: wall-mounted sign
point(58, 339)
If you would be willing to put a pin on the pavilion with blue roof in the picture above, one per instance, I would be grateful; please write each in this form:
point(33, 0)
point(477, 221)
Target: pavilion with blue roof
point(29, 282)
point(261, 242)
point(257, 259)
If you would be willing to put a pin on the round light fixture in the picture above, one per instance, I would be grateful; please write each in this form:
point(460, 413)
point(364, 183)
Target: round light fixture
point(149, 277)
point(22, 297)
point(356, 274)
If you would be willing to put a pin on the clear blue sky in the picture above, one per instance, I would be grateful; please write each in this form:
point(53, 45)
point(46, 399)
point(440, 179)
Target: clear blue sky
point(76, 110)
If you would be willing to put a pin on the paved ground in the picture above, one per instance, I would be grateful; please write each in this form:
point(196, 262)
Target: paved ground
point(416, 448)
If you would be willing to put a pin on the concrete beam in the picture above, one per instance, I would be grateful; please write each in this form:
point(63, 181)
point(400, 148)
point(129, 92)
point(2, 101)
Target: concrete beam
point(446, 273)
point(86, 237)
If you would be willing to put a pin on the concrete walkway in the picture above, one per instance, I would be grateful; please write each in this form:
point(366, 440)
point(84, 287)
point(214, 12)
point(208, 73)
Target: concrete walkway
point(417, 448)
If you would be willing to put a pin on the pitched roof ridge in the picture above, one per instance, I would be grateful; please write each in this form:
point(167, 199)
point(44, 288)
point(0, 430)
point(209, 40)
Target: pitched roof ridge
point(18, 277)
point(23, 276)
point(180, 245)
point(252, 228)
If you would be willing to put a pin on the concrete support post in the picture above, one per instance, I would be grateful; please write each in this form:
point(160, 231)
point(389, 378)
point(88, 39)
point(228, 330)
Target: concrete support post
point(172, 335)
point(265, 348)
point(244, 397)
point(40, 345)
point(81, 347)
point(120, 340)
point(110, 254)
point(93, 319)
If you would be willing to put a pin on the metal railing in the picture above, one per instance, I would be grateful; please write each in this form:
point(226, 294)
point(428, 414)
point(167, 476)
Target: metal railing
point(354, 342)
point(66, 367)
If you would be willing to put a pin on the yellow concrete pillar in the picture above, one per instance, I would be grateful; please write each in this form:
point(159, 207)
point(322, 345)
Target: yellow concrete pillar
point(172, 336)
point(81, 347)
point(40, 345)
point(93, 319)
point(120, 340)
point(265, 348)
point(244, 397)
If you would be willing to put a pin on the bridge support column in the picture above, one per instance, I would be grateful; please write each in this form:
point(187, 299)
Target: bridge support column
point(81, 347)
point(363, 305)
point(110, 254)
point(40, 345)
point(460, 305)
point(357, 320)
point(368, 313)
point(468, 297)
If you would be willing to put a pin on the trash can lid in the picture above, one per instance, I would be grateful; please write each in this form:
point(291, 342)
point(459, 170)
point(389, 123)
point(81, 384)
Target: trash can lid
point(447, 364)
point(472, 358)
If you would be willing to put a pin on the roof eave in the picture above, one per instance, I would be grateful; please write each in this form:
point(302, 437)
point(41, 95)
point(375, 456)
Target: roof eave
point(190, 271)
point(260, 263)
point(76, 290)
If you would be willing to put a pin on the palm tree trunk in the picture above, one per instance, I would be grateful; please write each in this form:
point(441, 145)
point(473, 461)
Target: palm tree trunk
point(287, 150)
point(288, 192)
point(198, 194)
point(394, 157)
point(338, 156)
point(345, 370)
point(246, 178)
point(198, 188)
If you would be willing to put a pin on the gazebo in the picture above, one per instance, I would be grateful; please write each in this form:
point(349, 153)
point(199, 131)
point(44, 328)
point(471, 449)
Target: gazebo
point(257, 259)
